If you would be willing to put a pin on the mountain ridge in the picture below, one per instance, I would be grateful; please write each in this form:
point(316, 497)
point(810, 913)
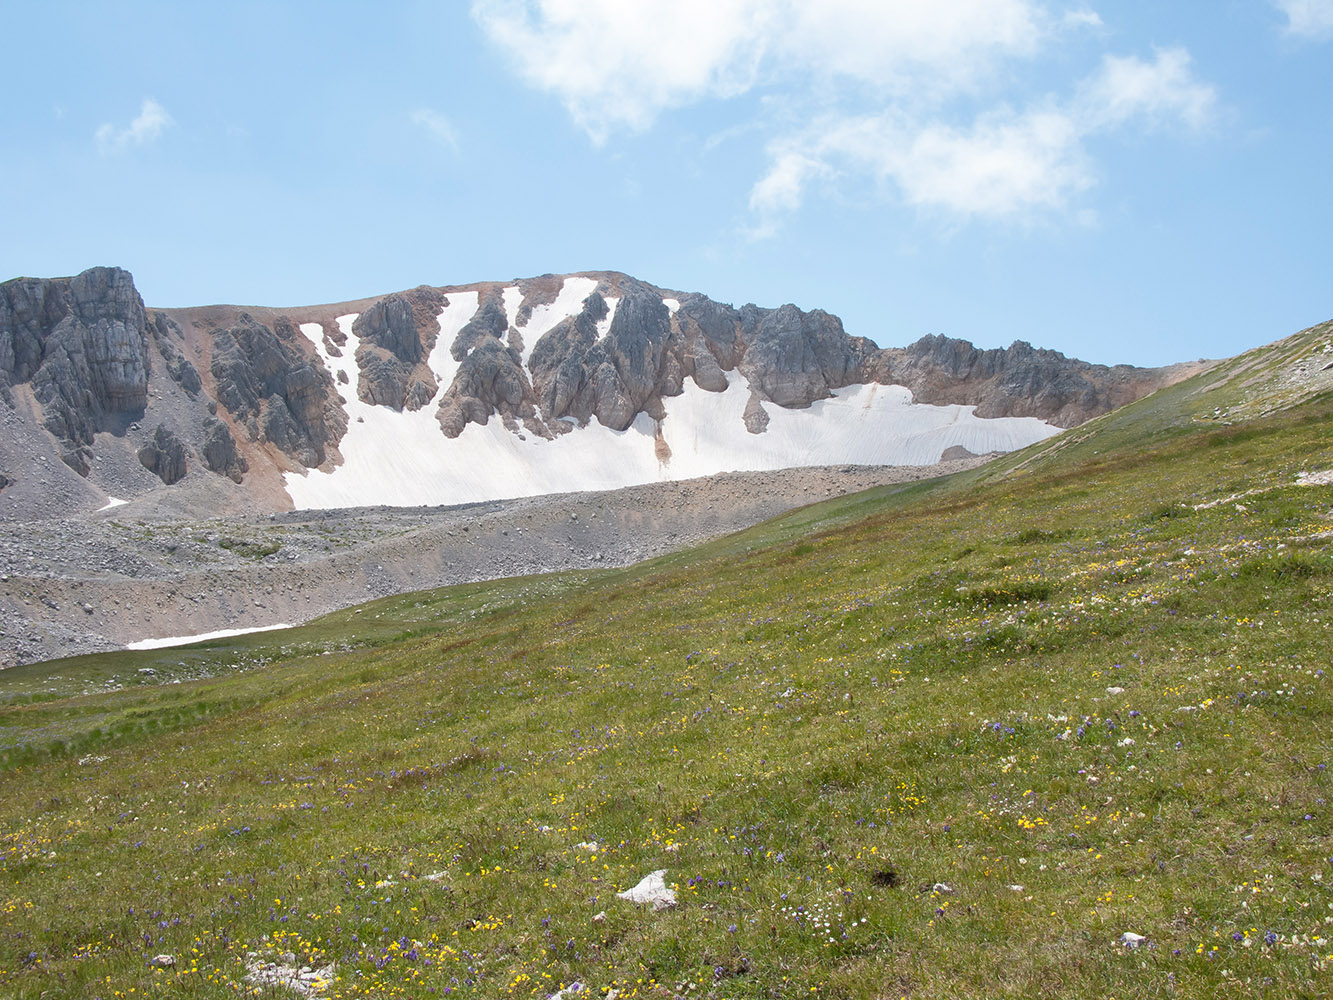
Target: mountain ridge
point(136, 398)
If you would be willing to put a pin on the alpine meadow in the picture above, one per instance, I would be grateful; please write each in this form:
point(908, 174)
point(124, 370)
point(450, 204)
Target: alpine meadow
point(1056, 725)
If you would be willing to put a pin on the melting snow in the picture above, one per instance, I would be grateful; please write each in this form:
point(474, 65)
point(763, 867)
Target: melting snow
point(403, 459)
point(513, 298)
point(568, 303)
point(112, 502)
point(604, 326)
point(185, 640)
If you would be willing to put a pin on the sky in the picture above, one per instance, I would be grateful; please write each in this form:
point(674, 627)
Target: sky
point(1132, 182)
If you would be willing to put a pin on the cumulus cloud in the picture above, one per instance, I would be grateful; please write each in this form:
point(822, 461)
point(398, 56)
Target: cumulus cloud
point(1309, 18)
point(1161, 91)
point(617, 65)
point(437, 126)
point(1083, 17)
point(1004, 163)
point(907, 93)
point(152, 119)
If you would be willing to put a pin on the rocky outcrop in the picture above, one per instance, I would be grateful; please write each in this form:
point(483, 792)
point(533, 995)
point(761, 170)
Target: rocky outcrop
point(490, 378)
point(793, 358)
point(167, 336)
point(396, 335)
point(82, 345)
point(1018, 381)
point(219, 451)
point(582, 368)
point(164, 456)
point(264, 377)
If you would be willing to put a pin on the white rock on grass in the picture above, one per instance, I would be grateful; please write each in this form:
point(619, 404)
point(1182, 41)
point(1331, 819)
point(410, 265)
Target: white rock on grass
point(652, 889)
point(164, 961)
point(572, 990)
point(1115, 690)
point(1131, 940)
point(305, 980)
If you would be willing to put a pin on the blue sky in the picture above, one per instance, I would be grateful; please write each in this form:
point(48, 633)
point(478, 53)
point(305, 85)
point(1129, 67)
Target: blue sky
point(1140, 181)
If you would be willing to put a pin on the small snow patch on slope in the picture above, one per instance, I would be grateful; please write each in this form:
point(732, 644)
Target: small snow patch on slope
point(513, 298)
point(569, 302)
point(185, 640)
point(453, 317)
point(604, 326)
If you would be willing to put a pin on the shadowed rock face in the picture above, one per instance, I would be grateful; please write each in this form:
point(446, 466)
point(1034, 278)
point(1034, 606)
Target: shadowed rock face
point(82, 345)
point(264, 378)
point(219, 451)
point(490, 377)
point(164, 456)
point(395, 339)
point(1018, 381)
point(787, 356)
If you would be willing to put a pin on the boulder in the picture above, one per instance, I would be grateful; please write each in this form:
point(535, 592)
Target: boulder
point(219, 451)
point(164, 456)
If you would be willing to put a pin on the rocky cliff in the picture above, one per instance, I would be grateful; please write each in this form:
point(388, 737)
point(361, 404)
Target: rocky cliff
point(133, 399)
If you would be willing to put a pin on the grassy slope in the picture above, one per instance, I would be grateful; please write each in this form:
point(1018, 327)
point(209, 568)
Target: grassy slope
point(809, 725)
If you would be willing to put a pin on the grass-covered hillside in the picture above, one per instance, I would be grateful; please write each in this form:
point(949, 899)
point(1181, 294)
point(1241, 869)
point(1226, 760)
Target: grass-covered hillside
point(950, 740)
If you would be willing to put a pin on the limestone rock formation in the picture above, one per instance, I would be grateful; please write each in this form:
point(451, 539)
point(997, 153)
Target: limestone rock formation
point(167, 336)
point(82, 345)
point(164, 456)
point(268, 383)
point(396, 334)
point(1018, 381)
point(219, 451)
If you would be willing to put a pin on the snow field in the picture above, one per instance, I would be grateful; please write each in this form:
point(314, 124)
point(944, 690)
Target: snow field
point(403, 459)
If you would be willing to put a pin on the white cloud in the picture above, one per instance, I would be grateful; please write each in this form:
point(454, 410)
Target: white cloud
point(907, 93)
point(1003, 164)
point(780, 189)
point(617, 65)
point(437, 126)
point(1083, 17)
point(1311, 18)
point(1159, 92)
point(152, 119)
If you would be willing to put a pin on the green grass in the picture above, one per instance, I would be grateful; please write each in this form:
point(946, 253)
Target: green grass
point(811, 725)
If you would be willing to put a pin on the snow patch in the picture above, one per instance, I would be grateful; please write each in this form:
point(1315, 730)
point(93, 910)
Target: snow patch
point(112, 502)
point(569, 302)
point(672, 305)
point(604, 326)
point(403, 459)
point(512, 298)
point(185, 640)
